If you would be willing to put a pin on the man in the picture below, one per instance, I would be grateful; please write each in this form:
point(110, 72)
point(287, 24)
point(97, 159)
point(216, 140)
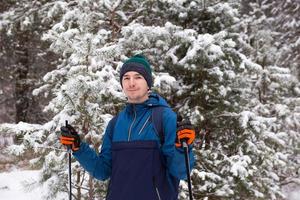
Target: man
point(140, 165)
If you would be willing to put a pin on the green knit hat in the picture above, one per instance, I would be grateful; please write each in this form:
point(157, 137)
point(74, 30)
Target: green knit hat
point(137, 63)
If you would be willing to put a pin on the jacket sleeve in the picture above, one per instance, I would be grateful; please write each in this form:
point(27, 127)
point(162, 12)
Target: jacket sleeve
point(98, 165)
point(175, 159)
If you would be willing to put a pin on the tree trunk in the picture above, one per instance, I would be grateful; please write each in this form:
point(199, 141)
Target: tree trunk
point(91, 188)
point(78, 185)
point(21, 75)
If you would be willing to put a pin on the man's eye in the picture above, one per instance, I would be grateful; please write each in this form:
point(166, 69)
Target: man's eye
point(125, 78)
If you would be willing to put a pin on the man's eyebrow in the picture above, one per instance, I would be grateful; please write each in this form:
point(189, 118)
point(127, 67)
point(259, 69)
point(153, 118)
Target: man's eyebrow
point(137, 74)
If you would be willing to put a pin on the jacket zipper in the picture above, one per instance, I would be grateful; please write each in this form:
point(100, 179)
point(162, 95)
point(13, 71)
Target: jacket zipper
point(157, 192)
point(129, 131)
point(156, 189)
point(144, 125)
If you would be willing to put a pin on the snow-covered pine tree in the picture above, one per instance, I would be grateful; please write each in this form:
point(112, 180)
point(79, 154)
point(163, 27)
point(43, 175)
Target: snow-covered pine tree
point(274, 23)
point(277, 85)
point(84, 87)
point(22, 55)
point(246, 149)
point(242, 162)
point(211, 71)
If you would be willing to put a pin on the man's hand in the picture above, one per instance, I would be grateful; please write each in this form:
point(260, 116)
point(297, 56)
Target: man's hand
point(185, 133)
point(69, 137)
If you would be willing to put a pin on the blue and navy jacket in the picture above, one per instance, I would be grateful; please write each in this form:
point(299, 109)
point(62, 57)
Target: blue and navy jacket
point(132, 156)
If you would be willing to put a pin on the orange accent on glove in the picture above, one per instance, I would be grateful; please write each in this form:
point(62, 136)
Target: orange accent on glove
point(69, 141)
point(185, 134)
point(69, 137)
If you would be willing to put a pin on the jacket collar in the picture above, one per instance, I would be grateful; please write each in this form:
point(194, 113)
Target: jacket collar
point(153, 100)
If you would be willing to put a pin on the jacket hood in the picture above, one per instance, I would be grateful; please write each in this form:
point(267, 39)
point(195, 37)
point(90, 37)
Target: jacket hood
point(156, 100)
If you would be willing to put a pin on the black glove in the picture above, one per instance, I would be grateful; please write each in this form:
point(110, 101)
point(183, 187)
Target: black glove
point(185, 132)
point(70, 137)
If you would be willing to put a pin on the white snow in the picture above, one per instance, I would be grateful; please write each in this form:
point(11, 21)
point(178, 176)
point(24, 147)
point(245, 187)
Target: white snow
point(164, 78)
point(292, 192)
point(240, 165)
point(12, 186)
point(6, 141)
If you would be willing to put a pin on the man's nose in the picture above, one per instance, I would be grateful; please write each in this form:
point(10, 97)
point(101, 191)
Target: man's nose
point(131, 82)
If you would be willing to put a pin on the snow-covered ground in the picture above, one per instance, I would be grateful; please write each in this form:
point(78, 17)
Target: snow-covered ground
point(12, 186)
point(292, 192)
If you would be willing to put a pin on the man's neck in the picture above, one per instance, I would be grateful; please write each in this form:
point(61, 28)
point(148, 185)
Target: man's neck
point(138, 101)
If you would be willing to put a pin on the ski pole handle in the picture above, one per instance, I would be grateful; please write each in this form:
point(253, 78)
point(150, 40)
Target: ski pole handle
point(68, 146)
point(184, 143)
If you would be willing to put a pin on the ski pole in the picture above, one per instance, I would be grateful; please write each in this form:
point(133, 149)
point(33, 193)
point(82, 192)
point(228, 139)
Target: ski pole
point(187, 164)
point(70, 173)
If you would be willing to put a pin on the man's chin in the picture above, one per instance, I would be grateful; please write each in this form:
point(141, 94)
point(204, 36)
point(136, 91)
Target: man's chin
point(133, 99)
point(136, 98)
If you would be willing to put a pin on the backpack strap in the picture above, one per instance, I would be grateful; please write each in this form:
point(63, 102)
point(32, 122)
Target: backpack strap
point(157, 120)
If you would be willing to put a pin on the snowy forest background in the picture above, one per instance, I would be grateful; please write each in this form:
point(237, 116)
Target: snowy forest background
point(231, 66)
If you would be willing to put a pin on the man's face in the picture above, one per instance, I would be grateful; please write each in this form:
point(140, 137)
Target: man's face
point(135, 87)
